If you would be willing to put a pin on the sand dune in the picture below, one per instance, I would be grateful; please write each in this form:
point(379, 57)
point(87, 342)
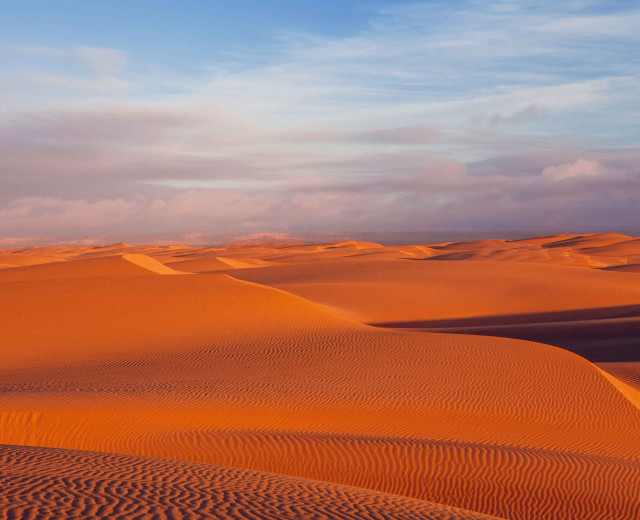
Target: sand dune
point(622, 248)
point(583, 250)
point(103, 352)
point(210, 265)
point(17, 260)
point(431, 291)
point(120, 265)
point(632, 268)
point(64, 484)
point(514, 482)
point(599, 339)
point(589, 241)
point(626, 371)
point(629, 391)
point(540, 241)
point(474, 245)
point(530, 255)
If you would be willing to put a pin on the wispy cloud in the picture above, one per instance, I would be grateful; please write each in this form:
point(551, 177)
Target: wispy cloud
point(73, 83)
point(437, 115)
point(103, 61)
point(78, 69)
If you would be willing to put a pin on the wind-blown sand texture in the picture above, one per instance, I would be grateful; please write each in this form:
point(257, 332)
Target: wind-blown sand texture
point(391, 374)
point(56, 483)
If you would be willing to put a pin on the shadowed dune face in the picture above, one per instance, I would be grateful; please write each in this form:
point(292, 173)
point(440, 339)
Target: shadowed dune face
point(281, 373)
point(599, 340)
point(632, 268)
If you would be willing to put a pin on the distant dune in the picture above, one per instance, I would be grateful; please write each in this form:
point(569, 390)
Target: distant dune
point(118, 265)
point(223, 239)
point(396, 378)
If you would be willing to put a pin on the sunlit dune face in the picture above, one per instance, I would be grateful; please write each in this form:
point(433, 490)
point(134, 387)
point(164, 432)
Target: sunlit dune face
point(399, 370)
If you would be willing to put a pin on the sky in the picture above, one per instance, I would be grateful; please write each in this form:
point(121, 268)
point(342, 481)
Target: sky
point(207, 116)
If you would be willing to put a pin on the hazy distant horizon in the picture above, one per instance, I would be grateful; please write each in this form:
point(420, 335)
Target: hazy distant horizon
point(387, 238)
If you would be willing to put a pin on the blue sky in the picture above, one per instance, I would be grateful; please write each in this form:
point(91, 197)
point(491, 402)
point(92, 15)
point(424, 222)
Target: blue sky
point(182, 35)
point(196, 116)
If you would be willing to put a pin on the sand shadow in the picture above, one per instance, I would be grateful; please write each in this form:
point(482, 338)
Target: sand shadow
point(600, 334)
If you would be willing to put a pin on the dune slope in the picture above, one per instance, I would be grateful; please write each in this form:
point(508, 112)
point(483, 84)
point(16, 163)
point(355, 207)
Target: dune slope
point(432, 291)
point(209, 369)
point(120, 265)
point(101, 351)
point(41, 482)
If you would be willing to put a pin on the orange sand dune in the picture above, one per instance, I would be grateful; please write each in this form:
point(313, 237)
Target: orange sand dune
point(208, 265)
point(306, 254)
point(535, 255)
point(593, 313)
point(101, 351)
point(406, 291)
point(623, 248)
point(121, 265)
point(539, 241)
point(629, 391)
point(609, 249)
point(628, 372)
point(209, 369)
point(589, 241)
point(598, 338)
point(632, 268)
point(74, 484)
point(18, 260)
point(120, 247)
point(515, 482)
point(597, 250)
point(353, 244)
point(474, 245)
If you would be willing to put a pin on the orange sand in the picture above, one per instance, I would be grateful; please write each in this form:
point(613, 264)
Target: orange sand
point(103, 349)
point(65, 484)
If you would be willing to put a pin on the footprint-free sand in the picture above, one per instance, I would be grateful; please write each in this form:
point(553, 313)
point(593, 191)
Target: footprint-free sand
point(344, 380)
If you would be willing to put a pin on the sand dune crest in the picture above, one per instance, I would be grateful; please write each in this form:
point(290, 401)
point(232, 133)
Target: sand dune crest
point(149, 263)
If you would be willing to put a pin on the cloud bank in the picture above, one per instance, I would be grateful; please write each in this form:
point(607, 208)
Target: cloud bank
point(455, 116)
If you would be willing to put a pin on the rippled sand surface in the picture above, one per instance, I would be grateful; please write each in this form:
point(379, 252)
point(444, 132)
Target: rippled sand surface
point(343, 380)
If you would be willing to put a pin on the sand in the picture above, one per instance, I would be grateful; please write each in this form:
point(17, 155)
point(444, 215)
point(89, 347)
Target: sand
point(57, 483)
point(317, 362)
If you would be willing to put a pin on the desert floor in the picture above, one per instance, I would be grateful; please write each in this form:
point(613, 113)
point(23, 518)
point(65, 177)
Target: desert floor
point(472, 380)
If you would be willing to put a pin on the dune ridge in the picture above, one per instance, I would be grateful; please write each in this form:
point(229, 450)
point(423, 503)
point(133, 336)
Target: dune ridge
point(627, 371)
point(277, 368)
point(118, 265)
point(627, 390)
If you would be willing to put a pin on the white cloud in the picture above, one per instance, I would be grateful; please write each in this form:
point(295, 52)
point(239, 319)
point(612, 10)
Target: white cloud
point(582, 168)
